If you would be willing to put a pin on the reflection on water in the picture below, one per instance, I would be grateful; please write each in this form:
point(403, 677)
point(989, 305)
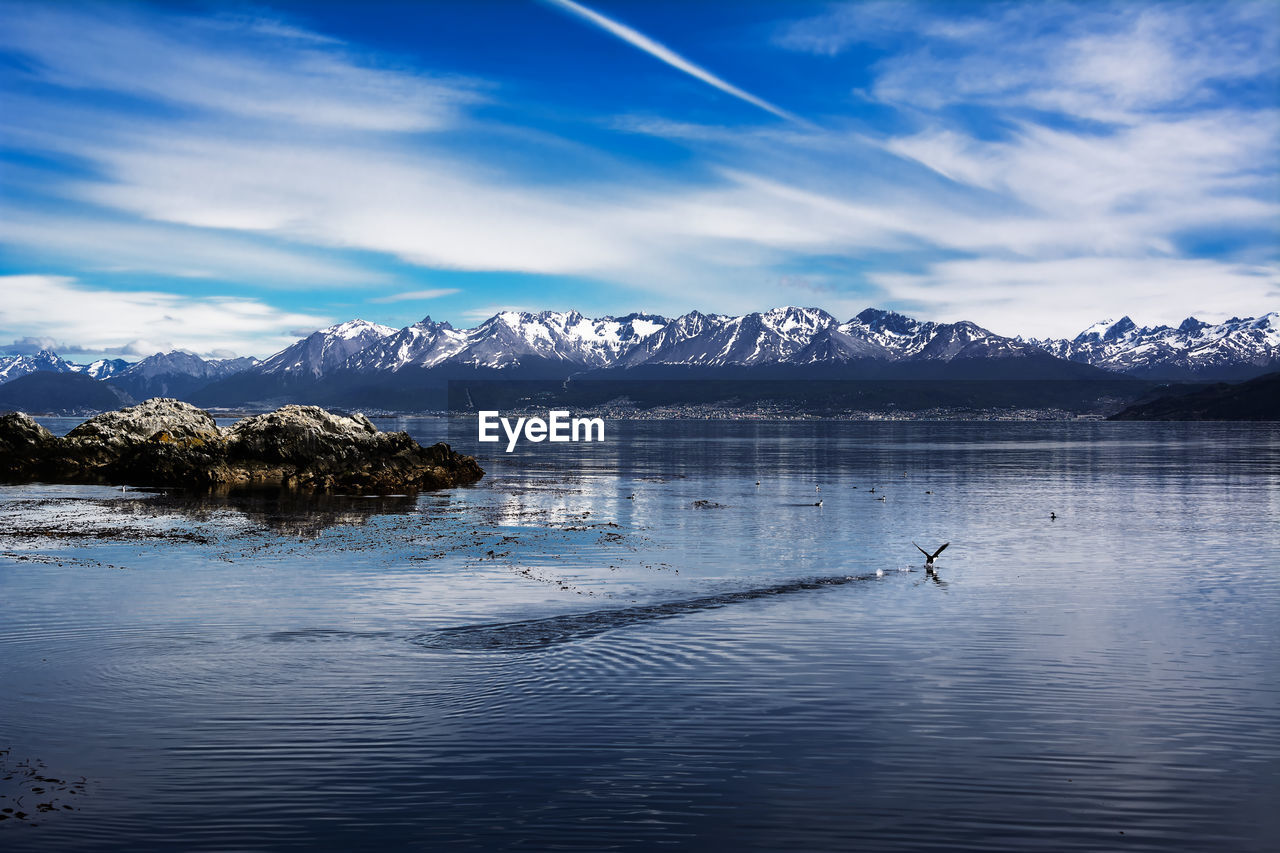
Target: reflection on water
point(288, 512)
point(573, 655)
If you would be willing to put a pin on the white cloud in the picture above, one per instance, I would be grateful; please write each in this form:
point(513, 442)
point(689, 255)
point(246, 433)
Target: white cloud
point(224, 181)
point(478, 315)
point(96, 320)
point(254, 69)
point(108, 244)
point(1094, 60)
point(665, 54)
point(1061, 297)
point(415, 295)
point(29, 345)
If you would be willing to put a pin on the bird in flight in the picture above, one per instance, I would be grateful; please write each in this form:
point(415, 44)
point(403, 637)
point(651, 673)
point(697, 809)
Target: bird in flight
point(929, 558)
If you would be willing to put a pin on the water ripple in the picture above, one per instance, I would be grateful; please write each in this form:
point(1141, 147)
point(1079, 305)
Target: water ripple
point(534, 634)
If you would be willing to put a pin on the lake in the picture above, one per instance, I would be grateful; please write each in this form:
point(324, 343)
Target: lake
point(576, 654)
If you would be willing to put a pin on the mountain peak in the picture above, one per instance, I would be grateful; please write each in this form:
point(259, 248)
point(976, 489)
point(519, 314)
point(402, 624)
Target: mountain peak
point(1192, 325)
point(1107, 330)
point(1121, 327)
point(352, 329)
point(1232, 348)
point(887, 321)
point(325, 349)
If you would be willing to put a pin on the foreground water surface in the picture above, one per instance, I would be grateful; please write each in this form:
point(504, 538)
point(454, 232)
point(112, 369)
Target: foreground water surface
point(574, 654)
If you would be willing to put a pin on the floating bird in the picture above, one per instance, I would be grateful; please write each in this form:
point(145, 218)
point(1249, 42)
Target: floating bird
point(819, 503)
point(757, 482)
point(929, 558)
point(1053, 516)
point(879, 573)
point(880, 498)
point(817, 488)
point(873, 490)
point(631, 497)
point(927, 492)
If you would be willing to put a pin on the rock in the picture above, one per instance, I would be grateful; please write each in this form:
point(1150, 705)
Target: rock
point(307, 447)
point(165, 442)
point(122, 445)
point(24, 445)
point(180, 421)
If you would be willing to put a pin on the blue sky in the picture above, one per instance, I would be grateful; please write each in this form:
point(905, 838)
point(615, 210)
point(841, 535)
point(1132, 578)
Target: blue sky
point(224, 177)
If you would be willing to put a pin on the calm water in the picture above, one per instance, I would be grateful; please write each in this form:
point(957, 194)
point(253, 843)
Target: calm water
point(629, 671)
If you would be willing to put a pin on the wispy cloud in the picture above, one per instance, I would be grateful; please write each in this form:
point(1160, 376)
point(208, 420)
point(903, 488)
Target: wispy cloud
point(1083, 60)
point(417, 295)
point(253, 69)
point(1072, 293)
point(110, 244)
point(670, 57)
point(478, 315)
point(1057, 162)
point(82, 318)
point(1099, 148)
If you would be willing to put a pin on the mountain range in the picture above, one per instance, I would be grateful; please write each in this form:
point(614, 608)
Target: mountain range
point(366, 364)
point(1239, 348)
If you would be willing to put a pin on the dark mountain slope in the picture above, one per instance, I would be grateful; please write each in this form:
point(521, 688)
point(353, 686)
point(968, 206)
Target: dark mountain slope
point(1255, 400)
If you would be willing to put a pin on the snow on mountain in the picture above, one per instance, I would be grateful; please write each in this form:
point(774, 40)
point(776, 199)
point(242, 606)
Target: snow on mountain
point(568, 336)
point(782, 336)
point(13, 366)
point(904, 338)
point(717, 340)
point(1192, 348)
point(154, 375)
point(833, 346)
point(175, 373)
point(221, 367)
point(326, 349)
point(506, 339)
point(178, 363)
point(787, 335)
point(424, 344)
point(102, 368)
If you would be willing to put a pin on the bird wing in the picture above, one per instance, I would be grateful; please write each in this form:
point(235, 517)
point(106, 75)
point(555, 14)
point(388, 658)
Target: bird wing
point(935, 554)
point(921, 550)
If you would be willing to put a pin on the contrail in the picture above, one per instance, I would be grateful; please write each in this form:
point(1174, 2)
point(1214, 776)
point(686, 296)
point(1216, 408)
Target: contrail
point(669, 56)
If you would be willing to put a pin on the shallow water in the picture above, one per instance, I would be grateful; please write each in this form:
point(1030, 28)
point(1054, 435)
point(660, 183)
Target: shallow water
point(629, 671)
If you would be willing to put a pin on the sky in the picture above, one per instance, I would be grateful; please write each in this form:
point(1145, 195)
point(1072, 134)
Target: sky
point(224, 178)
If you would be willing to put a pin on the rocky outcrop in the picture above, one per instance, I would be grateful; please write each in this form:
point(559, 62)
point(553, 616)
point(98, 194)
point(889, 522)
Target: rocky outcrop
point(25, 446)
point(165, 442)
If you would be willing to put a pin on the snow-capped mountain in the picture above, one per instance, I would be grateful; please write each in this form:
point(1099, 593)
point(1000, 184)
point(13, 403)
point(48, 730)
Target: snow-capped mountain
point(717, 340)
point(367, 364)
point(103, 368)
point(570, 342)
point(810, 336)
point(322, 351)
point(1236, 348)
point(13, 366)
point(424, 343)
point(173, 374)
point(509, 339)
point(906, 338)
